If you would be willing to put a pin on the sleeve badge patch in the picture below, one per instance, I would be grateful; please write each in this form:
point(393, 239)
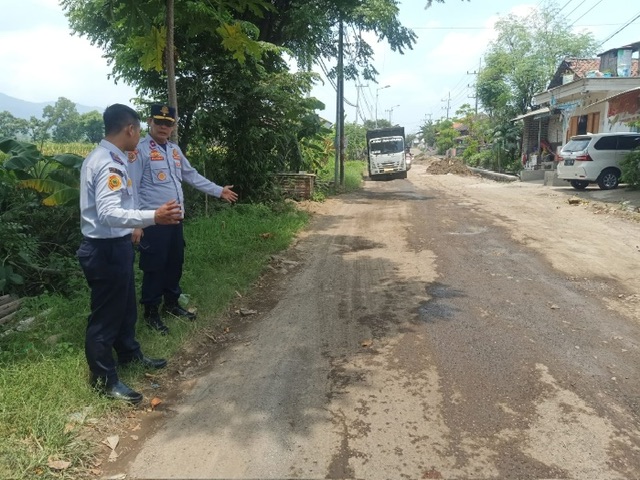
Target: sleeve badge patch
point(162, 176)
point(114, 183)
point(176, 155)
point(132, 156)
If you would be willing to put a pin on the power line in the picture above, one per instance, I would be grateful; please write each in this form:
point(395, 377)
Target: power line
point(565, 5)
point(574, 22)
point(491, 28)
point(618, 31)
point(579, 5)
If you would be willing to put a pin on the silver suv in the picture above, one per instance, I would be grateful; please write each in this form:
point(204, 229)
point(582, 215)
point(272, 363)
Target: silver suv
point(596, 158)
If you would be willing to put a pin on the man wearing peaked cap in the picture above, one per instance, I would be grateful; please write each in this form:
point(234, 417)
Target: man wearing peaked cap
point(159, 168)
point(163, 112)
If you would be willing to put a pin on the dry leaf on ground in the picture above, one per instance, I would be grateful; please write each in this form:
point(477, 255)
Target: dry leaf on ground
point(58, 464)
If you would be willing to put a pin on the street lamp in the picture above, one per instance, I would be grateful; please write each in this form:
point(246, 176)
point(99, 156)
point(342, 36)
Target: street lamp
point(377, 90)
point(390, 112)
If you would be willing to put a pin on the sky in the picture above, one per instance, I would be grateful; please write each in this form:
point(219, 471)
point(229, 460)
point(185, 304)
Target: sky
point(42, 61)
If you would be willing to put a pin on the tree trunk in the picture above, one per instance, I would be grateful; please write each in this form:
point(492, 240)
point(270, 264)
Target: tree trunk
point(171, 65)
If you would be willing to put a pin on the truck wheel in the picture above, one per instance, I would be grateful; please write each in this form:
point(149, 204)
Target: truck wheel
point(579, 184)
point(608, 179)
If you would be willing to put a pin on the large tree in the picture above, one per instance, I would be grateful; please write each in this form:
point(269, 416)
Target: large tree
point(229, 64)
point(64, 121)
point(524, 57)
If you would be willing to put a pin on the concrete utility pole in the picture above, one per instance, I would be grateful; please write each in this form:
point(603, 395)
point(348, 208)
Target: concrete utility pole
point(475, 86)
point(377, 90)
point(390, 110)
point(339, 140)
point(359, 91)
point(448, 107)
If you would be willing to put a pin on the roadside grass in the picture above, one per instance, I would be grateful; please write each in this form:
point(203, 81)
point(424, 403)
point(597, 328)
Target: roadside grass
point(354, 171)
point(45, 399)
point(48, 410)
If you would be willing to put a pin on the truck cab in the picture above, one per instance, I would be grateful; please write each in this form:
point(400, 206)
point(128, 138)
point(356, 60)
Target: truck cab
point(386, 153)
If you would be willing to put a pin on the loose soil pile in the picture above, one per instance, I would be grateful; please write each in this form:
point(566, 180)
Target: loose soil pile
point(443, 166)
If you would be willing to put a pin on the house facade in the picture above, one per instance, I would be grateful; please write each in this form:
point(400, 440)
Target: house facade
point(584, 96)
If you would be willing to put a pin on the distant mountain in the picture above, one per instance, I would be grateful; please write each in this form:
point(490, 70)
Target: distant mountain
point(23, 109)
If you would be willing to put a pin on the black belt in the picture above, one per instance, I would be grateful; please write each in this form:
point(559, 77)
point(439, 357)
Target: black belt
point(126, 238)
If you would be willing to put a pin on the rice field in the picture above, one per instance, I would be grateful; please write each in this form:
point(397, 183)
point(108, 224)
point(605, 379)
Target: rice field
point(82, 149)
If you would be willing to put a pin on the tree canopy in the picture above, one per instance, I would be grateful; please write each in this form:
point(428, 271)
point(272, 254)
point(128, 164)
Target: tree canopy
point(524, 57)
point(235, 90)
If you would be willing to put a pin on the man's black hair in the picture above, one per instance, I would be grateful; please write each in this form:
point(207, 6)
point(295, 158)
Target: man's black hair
point(117, 117)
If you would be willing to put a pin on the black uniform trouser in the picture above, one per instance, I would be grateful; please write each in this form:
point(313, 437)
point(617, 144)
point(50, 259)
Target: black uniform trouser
point(108, 267)
point(161, 258)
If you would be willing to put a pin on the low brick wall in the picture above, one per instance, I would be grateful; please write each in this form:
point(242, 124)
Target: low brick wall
point(296, 185)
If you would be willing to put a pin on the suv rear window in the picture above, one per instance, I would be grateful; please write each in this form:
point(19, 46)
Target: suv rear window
point(576, 144)
point(607, 143)
point(628, 142)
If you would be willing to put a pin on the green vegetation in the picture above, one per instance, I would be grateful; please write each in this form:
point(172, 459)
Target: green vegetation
point(43, 373)
point(630, 166)
point(519, 63)
point(46, 405)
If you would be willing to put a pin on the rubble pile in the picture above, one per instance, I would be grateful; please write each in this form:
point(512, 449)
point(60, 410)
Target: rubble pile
point(443, 166)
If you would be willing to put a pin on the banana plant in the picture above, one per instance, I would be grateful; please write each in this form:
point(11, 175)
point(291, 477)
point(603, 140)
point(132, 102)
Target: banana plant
point(56, 177)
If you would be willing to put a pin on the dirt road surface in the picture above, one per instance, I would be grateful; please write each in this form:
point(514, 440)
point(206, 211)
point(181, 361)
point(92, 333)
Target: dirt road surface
point(435, 327)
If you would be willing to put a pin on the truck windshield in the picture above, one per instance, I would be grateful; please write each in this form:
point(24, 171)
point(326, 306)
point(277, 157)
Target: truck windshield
point(386, 146)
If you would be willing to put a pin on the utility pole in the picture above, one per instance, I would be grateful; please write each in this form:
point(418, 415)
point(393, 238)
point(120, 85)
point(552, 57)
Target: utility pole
point(377, 90)
point(339, 140)
point(448, 107)
point(475, 96)
point(341, 87)
point(359, 91)
point(390, 110)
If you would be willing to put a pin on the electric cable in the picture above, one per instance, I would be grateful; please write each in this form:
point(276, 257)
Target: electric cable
point(617, 32)
point(574, 22)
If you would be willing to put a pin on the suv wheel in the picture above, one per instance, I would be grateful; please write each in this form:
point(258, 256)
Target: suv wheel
point(608, 179)
point(579, 184)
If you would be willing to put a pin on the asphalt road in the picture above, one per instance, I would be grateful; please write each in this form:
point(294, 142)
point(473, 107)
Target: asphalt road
point(416, 339)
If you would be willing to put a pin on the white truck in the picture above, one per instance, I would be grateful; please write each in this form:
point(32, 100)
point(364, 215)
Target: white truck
point(386, 153)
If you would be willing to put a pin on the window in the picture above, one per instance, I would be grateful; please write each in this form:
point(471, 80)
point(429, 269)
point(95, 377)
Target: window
point(607, 143)
point(386, 146)
point(628, 142)
point(582, 125)
point(576, 145)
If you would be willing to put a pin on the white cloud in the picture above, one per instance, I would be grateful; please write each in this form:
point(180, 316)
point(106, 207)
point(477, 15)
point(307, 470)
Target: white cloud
point(59, 65)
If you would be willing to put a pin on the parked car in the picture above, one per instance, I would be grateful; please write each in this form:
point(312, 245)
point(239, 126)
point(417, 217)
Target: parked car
point(595, 158)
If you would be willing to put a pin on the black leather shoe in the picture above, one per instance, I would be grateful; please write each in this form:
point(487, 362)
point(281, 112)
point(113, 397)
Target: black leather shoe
point(156, 323)
point(118, 391)
point(154, 363)
point(153, 320)
point(178, 311)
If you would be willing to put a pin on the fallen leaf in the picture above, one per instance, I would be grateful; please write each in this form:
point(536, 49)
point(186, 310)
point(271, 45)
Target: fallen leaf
point(136, 428)
point(134, 437)
point(155, 401)
point(226, 330)
point(112, 441)
point(246, 312)
point(554, 307)
point(266, 235)
point(58, 464)
point(69, 428)
point(95, 471)
point(366, 343)
point(113, 456)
